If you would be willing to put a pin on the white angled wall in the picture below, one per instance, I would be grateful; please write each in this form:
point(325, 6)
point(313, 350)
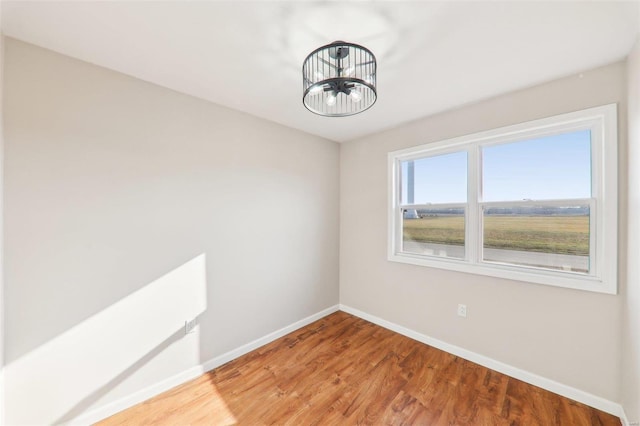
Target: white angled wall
point(131, 208)
point(568, 336)
point(2, 392)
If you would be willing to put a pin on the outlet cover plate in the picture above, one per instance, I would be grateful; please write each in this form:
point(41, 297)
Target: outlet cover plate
point(462, 311)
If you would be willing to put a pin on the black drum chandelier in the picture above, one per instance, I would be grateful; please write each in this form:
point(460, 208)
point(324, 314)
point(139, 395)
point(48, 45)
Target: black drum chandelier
point(339, 79)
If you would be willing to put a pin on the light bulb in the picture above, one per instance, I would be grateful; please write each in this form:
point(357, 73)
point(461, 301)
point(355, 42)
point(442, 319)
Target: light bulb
point(331, 99)
point(355, 95)
point(316, 89)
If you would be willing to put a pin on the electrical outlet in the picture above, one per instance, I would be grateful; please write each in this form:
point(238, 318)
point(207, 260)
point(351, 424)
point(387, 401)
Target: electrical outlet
point(189, 326)
point(462, 311)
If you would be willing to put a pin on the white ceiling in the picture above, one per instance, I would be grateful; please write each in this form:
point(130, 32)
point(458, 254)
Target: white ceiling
point(432, 56)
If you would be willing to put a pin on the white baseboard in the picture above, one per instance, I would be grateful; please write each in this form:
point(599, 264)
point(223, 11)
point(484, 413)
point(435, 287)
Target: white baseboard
point(531, 378)
point(233, 354)
point(623, 419)
point(173, 381)
point(142, 395)
point(534, 379)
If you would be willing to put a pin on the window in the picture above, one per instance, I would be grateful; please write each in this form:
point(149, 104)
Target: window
point(534, 202)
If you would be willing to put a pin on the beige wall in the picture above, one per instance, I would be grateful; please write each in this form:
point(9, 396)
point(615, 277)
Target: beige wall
point(131, 208)
point(569, 336)
point(631, 312)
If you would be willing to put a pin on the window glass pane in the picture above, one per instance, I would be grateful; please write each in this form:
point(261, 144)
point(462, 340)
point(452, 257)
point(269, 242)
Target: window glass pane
point(435, 180)
point(434, 232)
point(541, 236)
point(551, 167)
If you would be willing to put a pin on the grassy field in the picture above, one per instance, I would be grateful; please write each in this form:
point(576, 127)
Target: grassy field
point(545, 234)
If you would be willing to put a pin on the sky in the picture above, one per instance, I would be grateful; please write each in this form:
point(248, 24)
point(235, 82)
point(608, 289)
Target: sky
point(551, 167)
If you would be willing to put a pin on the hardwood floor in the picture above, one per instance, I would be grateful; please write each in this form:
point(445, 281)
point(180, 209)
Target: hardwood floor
point(342, 370)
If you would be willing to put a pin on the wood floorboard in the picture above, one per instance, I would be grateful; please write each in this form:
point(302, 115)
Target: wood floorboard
point(343, 370)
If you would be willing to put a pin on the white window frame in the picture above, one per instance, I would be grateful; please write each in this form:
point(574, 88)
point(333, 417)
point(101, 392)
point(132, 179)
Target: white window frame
point(602, 122)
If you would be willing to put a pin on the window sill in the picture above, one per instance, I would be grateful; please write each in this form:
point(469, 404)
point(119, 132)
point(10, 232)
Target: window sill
point(523, 274)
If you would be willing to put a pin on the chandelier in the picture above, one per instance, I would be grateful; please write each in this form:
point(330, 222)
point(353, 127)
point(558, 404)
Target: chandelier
point(339, 79)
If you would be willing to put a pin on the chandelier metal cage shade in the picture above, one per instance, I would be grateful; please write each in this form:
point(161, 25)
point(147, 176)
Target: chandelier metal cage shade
point(339, 80)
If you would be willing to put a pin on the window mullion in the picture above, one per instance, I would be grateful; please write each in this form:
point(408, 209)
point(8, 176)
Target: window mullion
point(472, 217)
